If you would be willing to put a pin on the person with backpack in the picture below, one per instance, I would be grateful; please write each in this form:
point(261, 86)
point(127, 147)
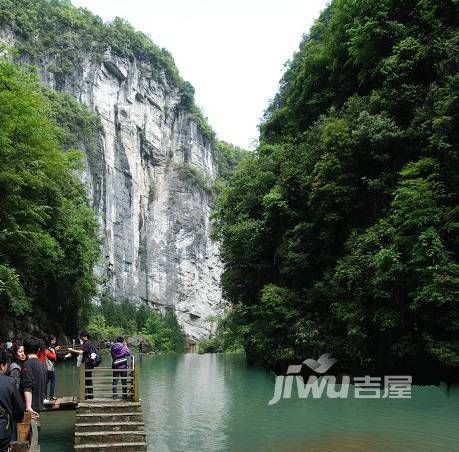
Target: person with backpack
point(50, 357)
point(34, 377)
point(120, 354)
point(43, 358)
point(11, 404)
point(90, 358)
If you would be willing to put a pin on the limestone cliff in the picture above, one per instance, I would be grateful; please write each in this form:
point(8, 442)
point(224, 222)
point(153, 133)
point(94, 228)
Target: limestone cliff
point(149, 183)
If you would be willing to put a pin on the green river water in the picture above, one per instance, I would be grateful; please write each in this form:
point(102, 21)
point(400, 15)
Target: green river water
point(215, 402)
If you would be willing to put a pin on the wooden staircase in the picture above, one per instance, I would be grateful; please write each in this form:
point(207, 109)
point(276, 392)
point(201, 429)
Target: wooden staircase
point(110, 426)
point(105, 424)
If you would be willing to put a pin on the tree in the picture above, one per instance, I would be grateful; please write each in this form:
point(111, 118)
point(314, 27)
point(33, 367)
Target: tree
point(48, 243)
point(339, 233)
point(164, 332)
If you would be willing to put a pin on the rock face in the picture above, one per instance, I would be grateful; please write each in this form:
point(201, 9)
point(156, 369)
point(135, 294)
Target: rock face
point(149, 184)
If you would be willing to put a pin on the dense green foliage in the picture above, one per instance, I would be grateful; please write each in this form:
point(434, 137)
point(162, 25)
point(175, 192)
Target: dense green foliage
point(118, 318)
point(110, 319)
point(58, 35)
point(224, 338)
point(164, 332)
point(228, 156)
point(340, 232)
point(48, 243)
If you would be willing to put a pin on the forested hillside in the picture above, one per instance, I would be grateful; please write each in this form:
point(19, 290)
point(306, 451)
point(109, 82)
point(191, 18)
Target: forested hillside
point(48, 241)
point(340, 233)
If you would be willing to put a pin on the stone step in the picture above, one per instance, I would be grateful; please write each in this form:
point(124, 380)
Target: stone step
point(103, 437)
point(87, 418)
point(108, 407)
point(82, 427)
point(113, 447)
point(109, 402)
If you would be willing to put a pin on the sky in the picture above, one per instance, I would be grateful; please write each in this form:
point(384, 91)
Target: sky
point(232, 51)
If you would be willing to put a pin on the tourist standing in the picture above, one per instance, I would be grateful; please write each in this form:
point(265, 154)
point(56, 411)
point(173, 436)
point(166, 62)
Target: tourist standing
point(19, 358)
point(90, 358)
point(11, 404)
point(34, 377)
point(51, 358)
point(120, 354)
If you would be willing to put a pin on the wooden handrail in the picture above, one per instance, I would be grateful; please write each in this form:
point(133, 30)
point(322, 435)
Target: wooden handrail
point(136, 381)
point(82, 381)
point(96, 381)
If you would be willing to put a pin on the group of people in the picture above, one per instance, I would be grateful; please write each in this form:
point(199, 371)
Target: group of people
point(24, 377)
point(90, 358)
point(27, 371)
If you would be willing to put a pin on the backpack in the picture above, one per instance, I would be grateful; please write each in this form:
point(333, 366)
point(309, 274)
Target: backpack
point(120, 354)
point(49, 365)
point(6, 428)
point(94, 358)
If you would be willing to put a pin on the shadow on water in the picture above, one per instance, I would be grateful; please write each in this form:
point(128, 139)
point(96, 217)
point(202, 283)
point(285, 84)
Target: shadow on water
point(216, 403)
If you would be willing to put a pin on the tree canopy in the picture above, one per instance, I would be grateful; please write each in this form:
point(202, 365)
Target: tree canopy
point(48, 242)
point(110, 319)
point(340, 233)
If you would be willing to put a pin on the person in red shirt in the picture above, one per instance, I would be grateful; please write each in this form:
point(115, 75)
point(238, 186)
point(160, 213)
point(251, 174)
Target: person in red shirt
point(47, 356)
point(50, 355)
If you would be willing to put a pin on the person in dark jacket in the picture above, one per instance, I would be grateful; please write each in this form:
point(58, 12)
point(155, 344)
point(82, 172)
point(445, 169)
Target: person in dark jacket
point(34, 377)
point(11, 405)
point(88, 353)
point(120, 360)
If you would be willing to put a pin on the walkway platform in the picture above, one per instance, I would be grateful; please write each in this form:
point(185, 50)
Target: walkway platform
point(106, 424)
point(62, 404)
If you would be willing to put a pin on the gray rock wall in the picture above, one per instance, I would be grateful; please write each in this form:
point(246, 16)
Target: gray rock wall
point(148, 185)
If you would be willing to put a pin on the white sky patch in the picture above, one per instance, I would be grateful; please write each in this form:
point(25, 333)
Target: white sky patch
point(232, 51)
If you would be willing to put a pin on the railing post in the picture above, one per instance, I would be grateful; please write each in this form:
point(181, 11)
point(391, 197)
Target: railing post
point(34, 446)
point(24, 428)
point(82, 382)
point(136, 382)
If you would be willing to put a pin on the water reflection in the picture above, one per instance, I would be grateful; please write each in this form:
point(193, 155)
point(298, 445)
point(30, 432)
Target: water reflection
point(184, 398)
point(206, 403)
point(215, 403)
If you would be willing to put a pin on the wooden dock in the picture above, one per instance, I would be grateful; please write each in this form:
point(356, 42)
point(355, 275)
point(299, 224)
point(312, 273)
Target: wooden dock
point(108, 422)
point(27, 440)
point(62, 404)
